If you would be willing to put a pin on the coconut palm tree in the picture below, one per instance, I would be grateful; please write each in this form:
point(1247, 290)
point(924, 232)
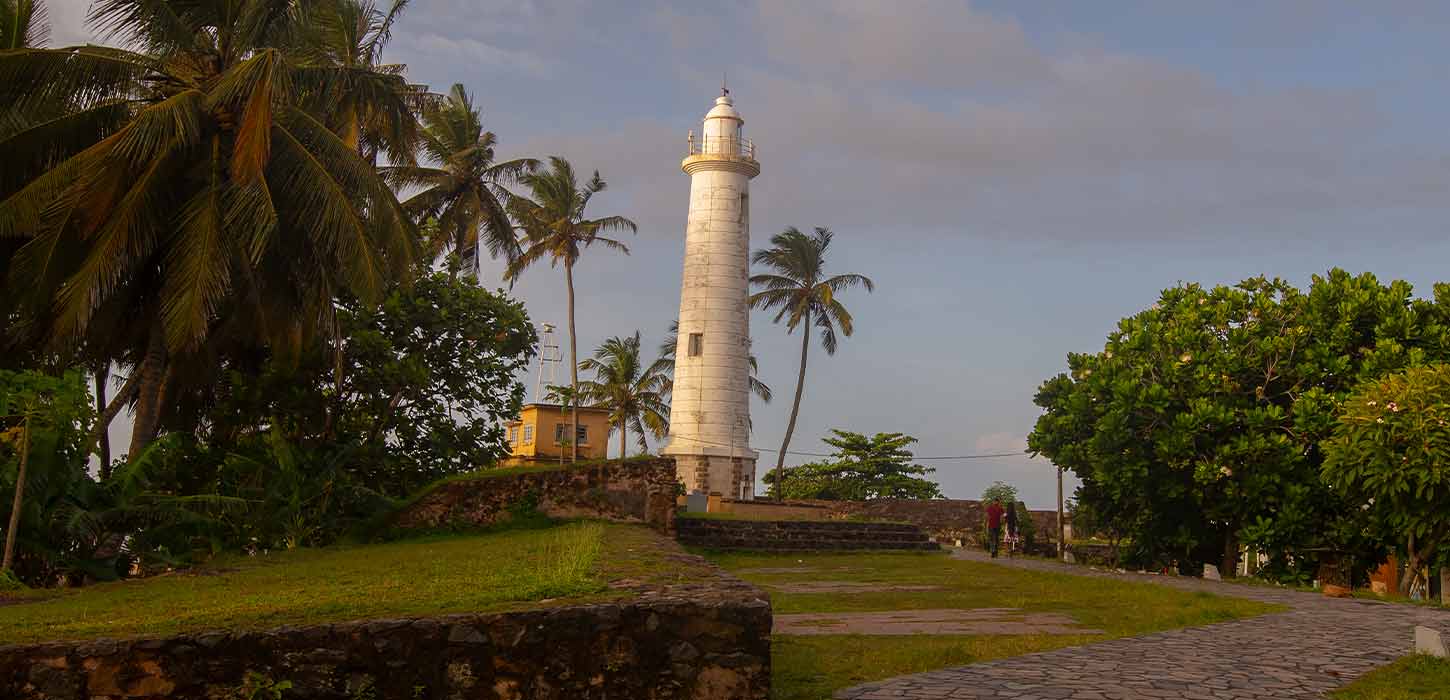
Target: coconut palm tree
point(23, 24)
point(633, 393)
point(666, 365)
point(372, 116)
point(214, 207)
point(466, 193)
point(554, 227)
point(798, 286)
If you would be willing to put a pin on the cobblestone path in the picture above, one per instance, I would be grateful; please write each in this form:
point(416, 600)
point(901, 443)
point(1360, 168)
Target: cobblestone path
point(1320, 644)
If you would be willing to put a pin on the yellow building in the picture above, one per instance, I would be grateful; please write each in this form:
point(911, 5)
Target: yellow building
point(538, 435)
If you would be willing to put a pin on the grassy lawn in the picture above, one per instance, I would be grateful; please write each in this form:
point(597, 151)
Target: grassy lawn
point(436, 575)
point(811, 667)
point(1415, 677)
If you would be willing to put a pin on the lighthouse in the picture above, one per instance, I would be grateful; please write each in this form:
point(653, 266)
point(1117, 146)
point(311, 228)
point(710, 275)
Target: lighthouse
point(710, 406)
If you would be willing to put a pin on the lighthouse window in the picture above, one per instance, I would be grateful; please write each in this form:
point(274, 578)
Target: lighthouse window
point(697, 344)
point(744, 208)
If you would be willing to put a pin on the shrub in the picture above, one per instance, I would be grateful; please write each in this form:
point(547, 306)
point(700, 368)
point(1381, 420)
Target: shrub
point(1390, 453)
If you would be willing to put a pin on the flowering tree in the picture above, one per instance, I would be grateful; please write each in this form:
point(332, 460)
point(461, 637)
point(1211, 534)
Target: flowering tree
point(1197, 427)
point(1390, 453)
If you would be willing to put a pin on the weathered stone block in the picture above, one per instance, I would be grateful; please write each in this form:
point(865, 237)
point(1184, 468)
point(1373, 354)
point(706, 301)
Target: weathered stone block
point(1431, 641)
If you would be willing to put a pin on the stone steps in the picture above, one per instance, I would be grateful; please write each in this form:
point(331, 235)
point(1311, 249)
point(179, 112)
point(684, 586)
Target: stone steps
point(801, 535)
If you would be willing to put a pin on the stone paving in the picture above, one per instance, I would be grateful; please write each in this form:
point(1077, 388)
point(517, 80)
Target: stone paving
point(1318, 645)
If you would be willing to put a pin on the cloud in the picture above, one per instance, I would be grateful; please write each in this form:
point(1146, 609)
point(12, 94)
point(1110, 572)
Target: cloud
point(480, 54)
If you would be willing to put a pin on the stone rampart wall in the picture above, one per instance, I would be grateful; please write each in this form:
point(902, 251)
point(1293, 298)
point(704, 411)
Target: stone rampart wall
point(946, 520)
point(800, 535)
point(638, 490)
point(703, 641)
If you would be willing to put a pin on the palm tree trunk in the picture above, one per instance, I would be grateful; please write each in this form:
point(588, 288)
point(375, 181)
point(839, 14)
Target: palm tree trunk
point(795, 408)
point(573, 365)
point(152, 390)
point(103, 443)
point(11, 531)
point(623, 435)
point(103, 421)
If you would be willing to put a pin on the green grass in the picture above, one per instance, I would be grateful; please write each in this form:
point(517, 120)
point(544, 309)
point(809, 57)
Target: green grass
point(1415, 677)
point(811, 667)
point(437, 575)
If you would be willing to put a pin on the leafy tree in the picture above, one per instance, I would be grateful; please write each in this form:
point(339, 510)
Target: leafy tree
point(1390, 454)
point(1198, 425)
point(45, 420)
point(428, 377)
point(198, 202)
point(466, 194)
point(1000, 491)
point(555, 228)
point(633, 392)
point(797, 285)
point(862, 468)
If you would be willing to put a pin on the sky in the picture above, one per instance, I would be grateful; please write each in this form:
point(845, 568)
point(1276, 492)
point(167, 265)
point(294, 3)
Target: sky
point(1014, 176)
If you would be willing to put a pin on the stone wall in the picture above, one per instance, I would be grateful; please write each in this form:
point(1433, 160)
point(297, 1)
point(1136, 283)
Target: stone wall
point(800, 535)
point(637, 490)
point(701, 641)
point(946, 520)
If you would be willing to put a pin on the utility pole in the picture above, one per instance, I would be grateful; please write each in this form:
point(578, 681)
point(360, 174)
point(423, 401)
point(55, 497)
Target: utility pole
point(1061, 545)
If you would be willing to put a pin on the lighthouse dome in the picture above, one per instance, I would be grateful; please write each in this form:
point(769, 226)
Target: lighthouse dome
point(724, 109)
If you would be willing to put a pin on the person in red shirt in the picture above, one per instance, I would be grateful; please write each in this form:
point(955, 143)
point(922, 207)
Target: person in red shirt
point(994, 525)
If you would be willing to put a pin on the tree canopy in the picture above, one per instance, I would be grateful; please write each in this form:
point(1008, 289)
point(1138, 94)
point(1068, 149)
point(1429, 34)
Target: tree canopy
point(862, 468)
point(1199, 425)
point(1390, 456)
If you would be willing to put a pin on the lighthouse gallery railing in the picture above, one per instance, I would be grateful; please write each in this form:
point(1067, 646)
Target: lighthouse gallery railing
point(721, 145)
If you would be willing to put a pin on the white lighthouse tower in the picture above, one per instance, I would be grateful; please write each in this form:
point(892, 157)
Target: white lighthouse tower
point(710, 405)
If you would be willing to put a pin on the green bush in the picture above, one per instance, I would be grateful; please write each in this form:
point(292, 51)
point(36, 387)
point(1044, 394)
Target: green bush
point(1390, 455)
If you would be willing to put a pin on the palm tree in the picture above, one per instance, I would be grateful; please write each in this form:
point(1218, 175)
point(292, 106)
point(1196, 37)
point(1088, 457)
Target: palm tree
point(23, 24)
point(666, 365)
point(805, 296)
point(212, 206)
point(554, 226)
point(367, 109)
point(466, 193)
point(633, 393)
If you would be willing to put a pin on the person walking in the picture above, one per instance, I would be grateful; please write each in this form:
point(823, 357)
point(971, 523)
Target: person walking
point(1012, 530)
point(994, 525)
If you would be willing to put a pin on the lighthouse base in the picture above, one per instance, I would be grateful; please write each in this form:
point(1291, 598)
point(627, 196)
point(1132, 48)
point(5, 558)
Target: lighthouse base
point(730, 477)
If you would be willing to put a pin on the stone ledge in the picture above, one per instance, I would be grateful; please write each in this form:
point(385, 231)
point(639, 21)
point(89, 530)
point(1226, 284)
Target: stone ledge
point(1429, 640)
point(694, 640)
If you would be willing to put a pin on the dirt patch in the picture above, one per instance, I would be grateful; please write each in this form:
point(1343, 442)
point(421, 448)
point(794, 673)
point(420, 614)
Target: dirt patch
point(776, 570)
point(947, 621)
point(845, 587)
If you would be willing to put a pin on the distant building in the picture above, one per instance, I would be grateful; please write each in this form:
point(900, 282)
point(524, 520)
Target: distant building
point(540, 434)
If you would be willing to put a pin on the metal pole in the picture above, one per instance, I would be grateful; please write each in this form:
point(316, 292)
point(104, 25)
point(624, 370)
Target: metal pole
point(1061, 545)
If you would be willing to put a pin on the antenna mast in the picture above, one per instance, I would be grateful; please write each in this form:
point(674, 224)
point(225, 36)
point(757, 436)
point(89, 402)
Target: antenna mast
point(549, 358)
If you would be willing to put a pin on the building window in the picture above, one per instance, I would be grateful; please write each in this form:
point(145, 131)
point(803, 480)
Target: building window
point(744, 208)
point(697, 344)
point(528, 435)
point(560, 428)
point(513, 433)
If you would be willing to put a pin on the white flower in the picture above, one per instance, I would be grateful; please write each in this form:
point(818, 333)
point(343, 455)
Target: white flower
point(1108, 354)
point(1372, 403)
point(1226, 471)
point(1201, 302)
point(1185, 357)
point(1154, 307)
point(1379, 420)
point(1393, 407)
